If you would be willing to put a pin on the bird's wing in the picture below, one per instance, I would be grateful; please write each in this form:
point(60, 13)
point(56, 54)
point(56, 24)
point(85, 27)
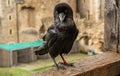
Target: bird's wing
point(76, 34)
point(70, 41)
point(51, 35)
point(50, 29)
point(49, 38)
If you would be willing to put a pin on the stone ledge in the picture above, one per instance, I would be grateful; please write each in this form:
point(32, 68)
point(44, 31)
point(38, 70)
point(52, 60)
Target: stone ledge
point(105, 64)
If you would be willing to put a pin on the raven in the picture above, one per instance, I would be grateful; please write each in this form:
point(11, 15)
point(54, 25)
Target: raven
point(60, 35)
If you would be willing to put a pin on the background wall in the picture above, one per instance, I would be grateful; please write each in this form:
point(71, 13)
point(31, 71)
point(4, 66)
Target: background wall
point(28, 20)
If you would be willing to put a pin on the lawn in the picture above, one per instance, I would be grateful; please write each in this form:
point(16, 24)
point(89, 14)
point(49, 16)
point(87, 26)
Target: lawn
point(13, 71)
point(39, 65)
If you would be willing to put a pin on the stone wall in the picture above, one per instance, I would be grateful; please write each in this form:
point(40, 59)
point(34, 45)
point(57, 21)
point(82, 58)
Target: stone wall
point(26, 55)
point(91, 35)
point(28, 20)
point(34, 14)
point(4, 58)
point(105, 64)
point(8, 21)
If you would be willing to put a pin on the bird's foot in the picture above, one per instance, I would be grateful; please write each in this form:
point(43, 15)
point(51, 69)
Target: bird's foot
point(67, 64)
point(59, 67)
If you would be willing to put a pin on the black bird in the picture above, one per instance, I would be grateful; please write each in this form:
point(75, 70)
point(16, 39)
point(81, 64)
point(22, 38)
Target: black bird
point(60, 35)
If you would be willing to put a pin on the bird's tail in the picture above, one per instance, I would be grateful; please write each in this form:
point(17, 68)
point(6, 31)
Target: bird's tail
point(41, 50)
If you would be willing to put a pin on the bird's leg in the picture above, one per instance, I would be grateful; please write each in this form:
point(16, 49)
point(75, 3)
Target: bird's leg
point(65, 62)
point(56, 65)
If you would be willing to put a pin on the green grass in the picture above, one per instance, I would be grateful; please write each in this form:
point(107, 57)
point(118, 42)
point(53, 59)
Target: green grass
point(19, 71)
point(37, 66)
point(42, 68)
point(13, 72)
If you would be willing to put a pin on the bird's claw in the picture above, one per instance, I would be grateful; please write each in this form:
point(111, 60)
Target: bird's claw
point(67, 64)
point(59, 67)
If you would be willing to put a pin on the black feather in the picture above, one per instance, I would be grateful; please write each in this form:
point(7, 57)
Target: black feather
point(60, 36)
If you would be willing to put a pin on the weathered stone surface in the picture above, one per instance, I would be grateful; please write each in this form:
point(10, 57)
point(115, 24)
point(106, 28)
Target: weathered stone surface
point(5, 58)
point(112, 25)
point(91, 35)
point(105, 64)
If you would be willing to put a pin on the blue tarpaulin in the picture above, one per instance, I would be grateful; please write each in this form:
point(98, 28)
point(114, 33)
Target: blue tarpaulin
point(17, 46)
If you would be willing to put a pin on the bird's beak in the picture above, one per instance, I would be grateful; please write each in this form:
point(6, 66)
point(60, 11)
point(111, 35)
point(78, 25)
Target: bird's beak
point(61, 17)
